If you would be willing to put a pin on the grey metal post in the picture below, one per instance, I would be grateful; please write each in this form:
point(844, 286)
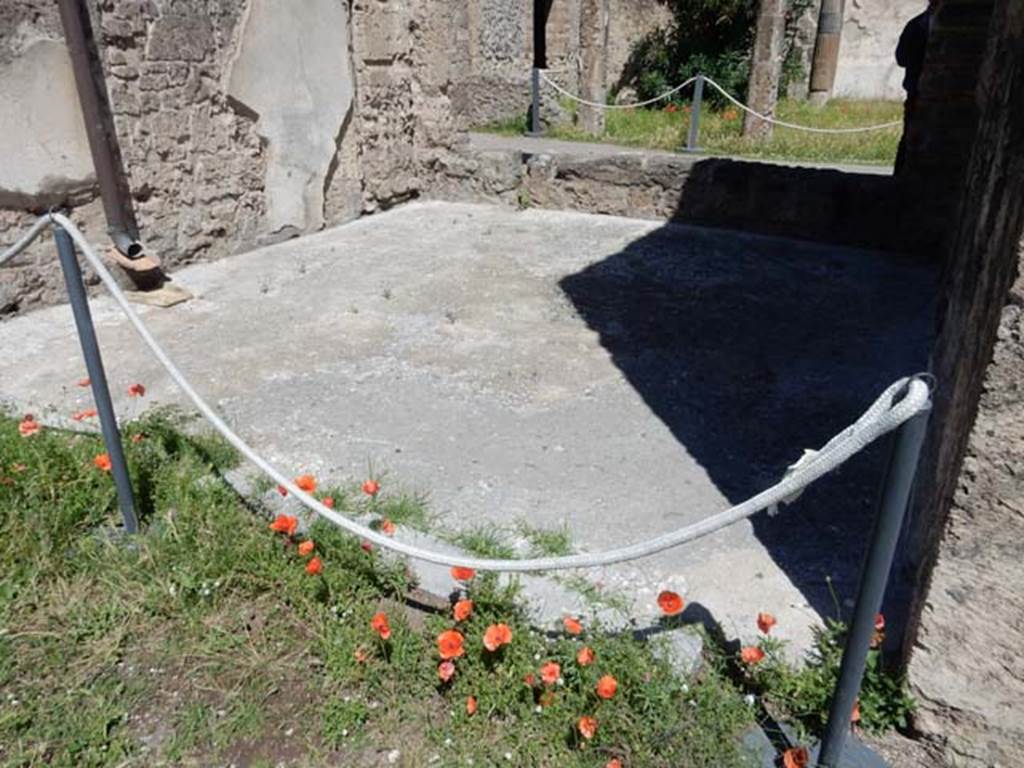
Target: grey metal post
point(895, 498)
point(698, 97)
point(94, 365)
point(535, 103)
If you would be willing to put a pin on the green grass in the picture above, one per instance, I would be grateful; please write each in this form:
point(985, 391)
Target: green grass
point(721, 131)
point(203, 641)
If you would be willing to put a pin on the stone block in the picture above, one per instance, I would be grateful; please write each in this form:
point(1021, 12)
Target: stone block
point(42, 138)
point(180, 38)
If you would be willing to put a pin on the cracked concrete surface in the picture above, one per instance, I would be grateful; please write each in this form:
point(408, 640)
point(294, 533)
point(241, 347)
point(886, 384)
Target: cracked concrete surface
point(615, 376)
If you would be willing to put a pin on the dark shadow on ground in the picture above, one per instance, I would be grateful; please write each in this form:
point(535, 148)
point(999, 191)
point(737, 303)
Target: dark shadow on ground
point(751, 348)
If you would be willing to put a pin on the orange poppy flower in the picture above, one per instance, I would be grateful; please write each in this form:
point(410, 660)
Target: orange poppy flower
point(751, 654)
point(471, 705)
point(282, 490)
point(328, 501)
point(306, 483)
point(613, 763)
point(445, 671)
point(306, 548)
point(102, 462)
point(286, 524)
point(371, 487)
point(550, 673)
point(765, 622)
point(585, 656)
point(379, 624)
point(82, 415)
point(387, 527)
point(314, 566)
point(607, 686)
point(29, 426)
point(670, 603)
point(587, 726)
point(85, 382)
point(136, 390)
point(138, 437)
point(795, 757)
point(449, 644)
point(463, 610)
point(572, 625)
point(462, 574)
point(496, 636)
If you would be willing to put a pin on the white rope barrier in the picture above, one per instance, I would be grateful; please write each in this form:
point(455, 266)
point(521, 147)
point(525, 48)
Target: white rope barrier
point(599, 105)
point(902, 400)
point(810, 129)
point(727, 95)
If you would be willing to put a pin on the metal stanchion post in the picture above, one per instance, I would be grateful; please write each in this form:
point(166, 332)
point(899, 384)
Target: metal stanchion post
point(698, 97)
point(882, 548)
point(535, 129)
point(94, 365)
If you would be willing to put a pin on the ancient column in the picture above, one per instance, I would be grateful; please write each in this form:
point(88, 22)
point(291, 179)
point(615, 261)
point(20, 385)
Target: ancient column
point(593, 63)
point(826, 51)
point(765, 66)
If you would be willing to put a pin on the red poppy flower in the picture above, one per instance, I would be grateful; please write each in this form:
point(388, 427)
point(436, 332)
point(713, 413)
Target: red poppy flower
point(471, 705)
point(85, 382)
point(670, 603)
point(529, 679)
point(450, 644)
point(879, 622)
point(82, 415)
point(607, 686)
point(314, 566)
point(496, 636)
point(445, 671)
point(328, 501)
point(795, 757)
point(751, 655)
point(379, 624)
point(585, 656)
point(286, 524)
point(282, 490)
point(462, 574)
point(765, 622)
point(613, 763)
point(29, 426)
point(136, 390)
point(463, 610)
point(587, 726)
point(367, 546)
point(572, 625)
point(102, 462)
point(306, 548)
point(550, 673)
point(387, 527)
point(371, 487)
point(306, 483)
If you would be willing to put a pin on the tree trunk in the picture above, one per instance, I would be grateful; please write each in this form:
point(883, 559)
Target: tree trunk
point(765, 67)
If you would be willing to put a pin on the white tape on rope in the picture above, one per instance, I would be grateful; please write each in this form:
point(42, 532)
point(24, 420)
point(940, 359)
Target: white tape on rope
point(884, 415)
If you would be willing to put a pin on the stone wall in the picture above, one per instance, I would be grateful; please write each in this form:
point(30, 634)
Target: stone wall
point(965, 662)
point(867, 54)
point(206, 156)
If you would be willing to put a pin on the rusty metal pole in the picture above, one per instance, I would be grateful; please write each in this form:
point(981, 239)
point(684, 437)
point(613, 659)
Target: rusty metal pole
point(99, 127)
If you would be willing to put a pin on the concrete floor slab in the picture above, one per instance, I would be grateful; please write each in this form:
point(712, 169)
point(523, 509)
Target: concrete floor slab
point(615, 376)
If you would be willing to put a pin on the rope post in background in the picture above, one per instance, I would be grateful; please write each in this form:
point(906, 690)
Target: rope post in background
point(899, 481)
point(698, 98)
point(94, 365)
